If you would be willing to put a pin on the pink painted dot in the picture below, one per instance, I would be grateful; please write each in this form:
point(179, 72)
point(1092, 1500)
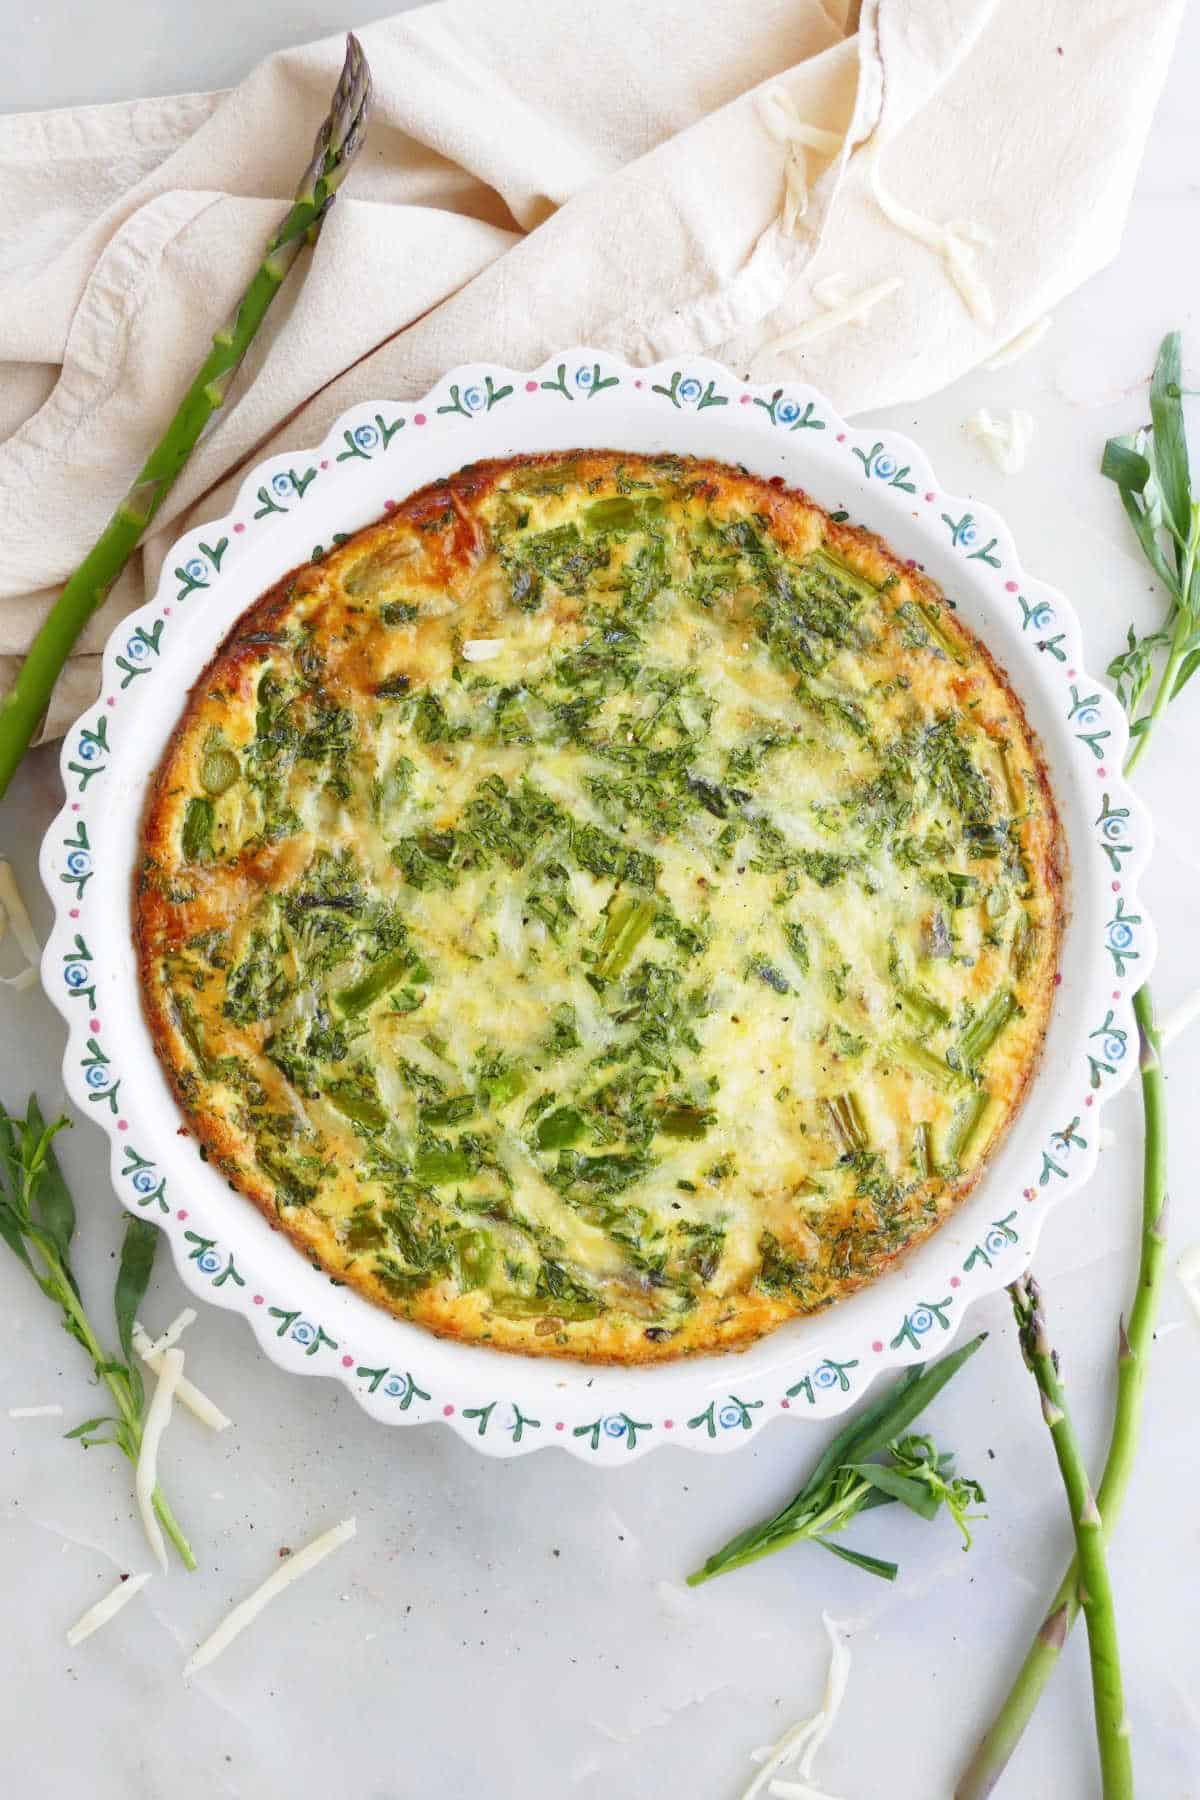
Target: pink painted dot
point(1010, 587)
point(1071, 674)
point(1031, 1193)
point(74, 806)
point(258, 1299)
point(389, 506)
point(418, 418)
point(955, 1281)
point(930, 498)
point(1102, 771)
point(239, 528)
point(1090, 1100)
point(347, 1362)
point(166, 612)
point(841, 437)
point(668, 1424)
point(637, 384)
point(182, 1213)
point(74, 913)
point(1116, 887)
point(560, 1426)
point(93, 1024)
point(786, 1405)
point(1058, 980)
point(122, 1124)
point(746, 399)
point(110, 701)
point(1116, 993)
point(325, 464)
point(877, 1346)
point(447, 1411)
point(531, 388)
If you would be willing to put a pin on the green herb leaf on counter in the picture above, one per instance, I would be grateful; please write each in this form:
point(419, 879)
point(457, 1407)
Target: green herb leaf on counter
point(37, 1222)
point(846, 1481)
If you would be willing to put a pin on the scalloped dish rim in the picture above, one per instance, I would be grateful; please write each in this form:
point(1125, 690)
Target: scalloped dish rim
point(287, 508)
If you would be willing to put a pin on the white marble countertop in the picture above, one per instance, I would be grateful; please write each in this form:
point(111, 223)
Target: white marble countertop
point(504, 1629)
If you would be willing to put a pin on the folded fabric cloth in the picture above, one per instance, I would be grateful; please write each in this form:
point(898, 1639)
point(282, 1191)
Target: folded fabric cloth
point(874, 204)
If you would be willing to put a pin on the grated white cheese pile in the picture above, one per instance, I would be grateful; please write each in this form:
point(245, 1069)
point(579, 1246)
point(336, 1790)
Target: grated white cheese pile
point(248, 1610)
point(106, 1609)
point(800, 1744)
point(14, 917)
point(1006, 436)
point(781, 117)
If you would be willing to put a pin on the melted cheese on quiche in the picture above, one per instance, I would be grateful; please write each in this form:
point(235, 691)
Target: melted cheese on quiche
point(605, 908)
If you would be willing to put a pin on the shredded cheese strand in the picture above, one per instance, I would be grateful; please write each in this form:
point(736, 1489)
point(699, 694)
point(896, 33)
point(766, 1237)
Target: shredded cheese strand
point(805, 1738)
point(1006, 436)
point(248, 1610)
point(1188, 1270)
point(1017, 346)
point(186, 1392)
point(35, 1412)
point(955, 243)
point(851, 312)
point(106, 1609)
point(1177, 1022)
point(174, 1331)
point(15, 915)
point(146, 1474)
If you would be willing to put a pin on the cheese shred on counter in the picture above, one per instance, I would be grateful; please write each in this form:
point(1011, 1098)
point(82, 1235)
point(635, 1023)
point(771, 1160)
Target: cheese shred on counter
point(248, 1610)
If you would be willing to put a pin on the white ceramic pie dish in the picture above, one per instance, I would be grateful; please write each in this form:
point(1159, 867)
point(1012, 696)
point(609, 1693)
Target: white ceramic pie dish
point(373, 457)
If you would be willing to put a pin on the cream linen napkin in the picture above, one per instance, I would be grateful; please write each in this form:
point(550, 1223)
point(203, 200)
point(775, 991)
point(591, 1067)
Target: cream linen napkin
point(629, 173)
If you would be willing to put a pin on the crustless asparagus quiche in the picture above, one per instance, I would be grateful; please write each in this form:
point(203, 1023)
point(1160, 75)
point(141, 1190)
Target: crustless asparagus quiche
point(605, 909)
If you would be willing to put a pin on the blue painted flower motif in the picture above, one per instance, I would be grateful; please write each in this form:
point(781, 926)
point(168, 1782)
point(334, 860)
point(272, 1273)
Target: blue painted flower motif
point(196, 569)
point(137, 649)
point(730, 1416)
point(281, 484)
point(615, 1426)
point(1119, 935)
point(87, 749)
point(584, 378)
point(689, 389)
point(1041, 615)
point(921, 1320)
point(1114, 1048)
point(1088, 715)
point(395, 1385)
point(366, 436)
point(787, 412)
point(885, 467)
point(996, 1241)
point(825, 1377)
point(144, 1182)
point(1111, 829)
point(303, 1332)
point(969, 534)
point(474, 398)
point(209, 1261)
point(95, 1076)
point(79, 862)
point(75, 976)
